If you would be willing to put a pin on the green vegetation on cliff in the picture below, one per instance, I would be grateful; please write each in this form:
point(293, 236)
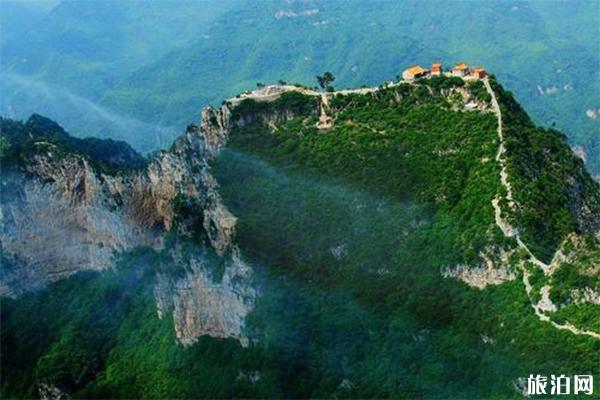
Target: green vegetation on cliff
point(324, 325)
point(97, 335)
point(416, 148)
point(555, 194)
point(347, 230)
point(19, 141)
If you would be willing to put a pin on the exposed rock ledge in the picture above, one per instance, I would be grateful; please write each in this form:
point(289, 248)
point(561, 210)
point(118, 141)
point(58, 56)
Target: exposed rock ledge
point(60, 215)
point(488, 272)
point(202, 305)
point(479, 277)
point(585, 295)
point(50, 392)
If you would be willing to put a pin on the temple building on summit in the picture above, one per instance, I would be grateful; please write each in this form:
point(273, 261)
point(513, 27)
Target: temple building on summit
point(460, 70)
point(478, 73)
point(414, 72)
point(436, 69)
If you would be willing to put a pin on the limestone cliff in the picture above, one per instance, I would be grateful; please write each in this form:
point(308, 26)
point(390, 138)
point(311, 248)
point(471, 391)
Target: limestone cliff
point(197, 299)
point(62, 213)
point(69, 205)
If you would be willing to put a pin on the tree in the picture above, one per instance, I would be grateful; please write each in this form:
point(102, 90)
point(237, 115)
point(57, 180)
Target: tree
point(325, 81)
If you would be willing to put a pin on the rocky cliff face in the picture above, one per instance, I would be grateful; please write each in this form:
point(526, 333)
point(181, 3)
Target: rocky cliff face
point(61, 215)
point(215, 125)
point(197, 299)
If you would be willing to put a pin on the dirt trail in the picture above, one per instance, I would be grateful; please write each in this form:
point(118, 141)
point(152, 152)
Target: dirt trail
point(272, 92)
point(325, 121)
point(510, 231)
point(503, 224)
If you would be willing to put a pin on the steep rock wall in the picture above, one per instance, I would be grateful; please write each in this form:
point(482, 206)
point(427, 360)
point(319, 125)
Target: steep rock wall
point(61, 215)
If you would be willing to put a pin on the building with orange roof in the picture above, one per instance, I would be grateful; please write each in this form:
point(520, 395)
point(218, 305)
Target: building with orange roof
point(414, 72)
point(436, 69)
point(460, 69)
point(478, 73)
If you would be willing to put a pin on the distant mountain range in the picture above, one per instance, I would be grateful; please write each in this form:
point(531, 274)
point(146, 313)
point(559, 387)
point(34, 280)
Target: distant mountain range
point(138, 71)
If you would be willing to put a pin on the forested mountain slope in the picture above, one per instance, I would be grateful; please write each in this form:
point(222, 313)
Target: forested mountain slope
point(302, 244)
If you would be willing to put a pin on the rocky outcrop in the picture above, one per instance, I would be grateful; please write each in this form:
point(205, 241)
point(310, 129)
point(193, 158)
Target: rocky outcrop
point(583, 204)
point(61, 215)
point(492, 269)
point(486, 273)
point(61, 218)
point(50, 392)
point(271, 105)
point(270, 118)
point(215, 127)
point(585, 295)
point(479, 277)
point(203, 303)
point(545, 303)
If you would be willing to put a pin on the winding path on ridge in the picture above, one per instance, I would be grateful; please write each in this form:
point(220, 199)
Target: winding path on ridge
point(510, 231)
point(271, 93)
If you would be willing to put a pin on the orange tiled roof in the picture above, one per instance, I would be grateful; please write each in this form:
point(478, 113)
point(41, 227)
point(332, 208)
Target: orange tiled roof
point(461, 66)
point(415, 70)
point(436, 65)
point(478, 69)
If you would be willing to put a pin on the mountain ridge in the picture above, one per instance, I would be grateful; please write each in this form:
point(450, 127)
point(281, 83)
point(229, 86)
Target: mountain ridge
point(211, 226)
point(508, 208)
point(548, 62)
